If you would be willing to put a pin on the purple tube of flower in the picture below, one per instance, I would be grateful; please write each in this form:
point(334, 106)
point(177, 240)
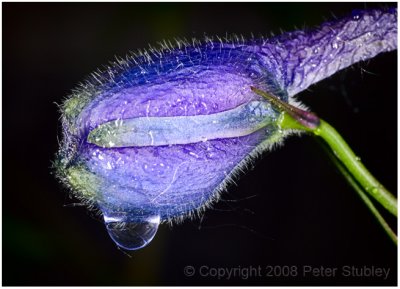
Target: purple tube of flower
point(158, 136)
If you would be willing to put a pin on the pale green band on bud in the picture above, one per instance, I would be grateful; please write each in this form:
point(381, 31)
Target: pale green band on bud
point(157, 131)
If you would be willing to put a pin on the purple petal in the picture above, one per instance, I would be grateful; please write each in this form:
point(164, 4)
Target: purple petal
point(174, 179)
point(306, 57)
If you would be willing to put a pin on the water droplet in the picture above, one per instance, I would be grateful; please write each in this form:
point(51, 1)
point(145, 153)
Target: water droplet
point(129, 234)
point(109, 167)
point(210, 155)
point(194, 154)
point(356, 14)
point(375, 191)
point(358, 159)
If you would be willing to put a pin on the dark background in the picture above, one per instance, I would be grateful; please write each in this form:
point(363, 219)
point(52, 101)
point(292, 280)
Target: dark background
point(293, 208)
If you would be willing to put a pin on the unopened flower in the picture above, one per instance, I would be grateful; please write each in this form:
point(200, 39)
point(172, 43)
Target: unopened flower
point(159, 135)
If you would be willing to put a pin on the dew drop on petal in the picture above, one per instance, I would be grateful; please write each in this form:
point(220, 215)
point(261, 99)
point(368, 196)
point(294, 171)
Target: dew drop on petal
point(132, 235)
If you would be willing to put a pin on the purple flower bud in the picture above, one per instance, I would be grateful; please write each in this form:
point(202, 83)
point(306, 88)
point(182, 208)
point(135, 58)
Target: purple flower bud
point(159, 135)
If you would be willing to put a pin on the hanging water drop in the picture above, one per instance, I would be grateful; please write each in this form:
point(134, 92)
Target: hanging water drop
point(129, 234)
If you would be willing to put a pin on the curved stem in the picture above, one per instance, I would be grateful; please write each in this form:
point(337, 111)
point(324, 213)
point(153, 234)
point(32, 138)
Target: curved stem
point(293, 118)
point(362, 195)
point(344, 153)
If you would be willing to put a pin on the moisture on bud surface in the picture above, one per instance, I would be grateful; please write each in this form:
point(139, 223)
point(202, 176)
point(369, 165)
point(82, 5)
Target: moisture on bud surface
point(157, 136)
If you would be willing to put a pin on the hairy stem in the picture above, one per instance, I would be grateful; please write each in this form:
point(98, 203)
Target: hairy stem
point(297, 119)
point(353, 163)
point(353, 183)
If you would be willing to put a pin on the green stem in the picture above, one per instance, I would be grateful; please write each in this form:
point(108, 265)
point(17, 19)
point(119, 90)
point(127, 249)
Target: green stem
point(363, 196)
point(353, 163)
point(297, 119)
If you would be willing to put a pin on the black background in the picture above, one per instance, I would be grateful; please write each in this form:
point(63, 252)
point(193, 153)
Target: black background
point(293, 208)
